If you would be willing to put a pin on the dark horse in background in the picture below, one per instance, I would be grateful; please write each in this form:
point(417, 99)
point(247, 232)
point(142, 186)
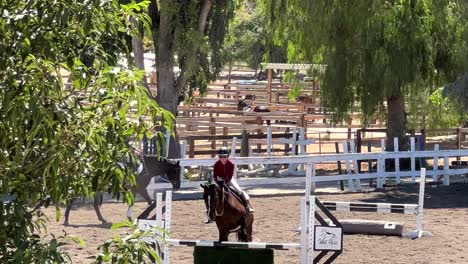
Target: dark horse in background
point(243, 106)
point(150, 166)
point(228, 212)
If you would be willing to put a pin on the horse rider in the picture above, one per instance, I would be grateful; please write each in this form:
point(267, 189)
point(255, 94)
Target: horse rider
point(223, 171)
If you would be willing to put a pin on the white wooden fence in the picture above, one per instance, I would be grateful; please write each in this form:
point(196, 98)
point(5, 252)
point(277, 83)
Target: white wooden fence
point(352, 177)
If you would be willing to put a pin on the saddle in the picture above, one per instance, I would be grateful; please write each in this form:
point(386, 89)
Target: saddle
point(229, 190)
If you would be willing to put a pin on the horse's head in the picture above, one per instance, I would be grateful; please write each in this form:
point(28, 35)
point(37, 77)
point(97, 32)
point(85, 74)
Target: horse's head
point(241, 105)
point(172, 171)
point(305, 99)
point(213, 196)
point(154, 165)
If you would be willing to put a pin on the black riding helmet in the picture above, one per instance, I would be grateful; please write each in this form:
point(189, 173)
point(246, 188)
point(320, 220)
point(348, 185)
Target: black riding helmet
point(223, 151)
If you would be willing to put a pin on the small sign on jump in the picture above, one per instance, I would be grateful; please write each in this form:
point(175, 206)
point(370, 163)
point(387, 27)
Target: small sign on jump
point(328, 238)
point(145, 225)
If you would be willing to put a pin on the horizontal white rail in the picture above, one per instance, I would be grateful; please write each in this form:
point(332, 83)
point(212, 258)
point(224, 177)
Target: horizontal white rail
point(327, 158)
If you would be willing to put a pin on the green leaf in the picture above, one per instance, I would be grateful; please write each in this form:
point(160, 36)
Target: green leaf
point(122, 224)
point(77, 240)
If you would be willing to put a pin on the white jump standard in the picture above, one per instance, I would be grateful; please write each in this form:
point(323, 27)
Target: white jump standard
point(410, 209)
point(323, 237)
point(307, 246)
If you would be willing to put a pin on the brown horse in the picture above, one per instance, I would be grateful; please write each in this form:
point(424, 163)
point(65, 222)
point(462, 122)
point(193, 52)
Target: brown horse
point(150, 166)
point(228, 212)
point(243, 106)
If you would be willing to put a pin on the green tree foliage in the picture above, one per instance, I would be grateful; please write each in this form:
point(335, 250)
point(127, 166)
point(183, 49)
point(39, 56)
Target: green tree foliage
point(193, 32)
point(376, 51)
point(249, 40)
point(458, 93)
point(432, 110)
point(131, 248)
point(18, 222)
point(59, 140)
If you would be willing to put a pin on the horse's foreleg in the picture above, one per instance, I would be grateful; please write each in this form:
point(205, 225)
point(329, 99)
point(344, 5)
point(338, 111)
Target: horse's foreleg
point(143, 193)
point(242, 234)
point(248, 232)
point(67, 211)
point(223, 236)
point(129, 212)
point(97, 202)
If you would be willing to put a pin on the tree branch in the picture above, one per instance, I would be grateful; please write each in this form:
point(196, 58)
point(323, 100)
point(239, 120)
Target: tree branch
point(204, 15)
point(190, 60)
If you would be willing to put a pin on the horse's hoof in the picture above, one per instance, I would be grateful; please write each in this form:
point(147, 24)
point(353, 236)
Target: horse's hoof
point(66, 223)
point(208, 221)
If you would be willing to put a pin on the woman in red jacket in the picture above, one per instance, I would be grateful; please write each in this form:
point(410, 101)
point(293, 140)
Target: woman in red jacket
point(223, 171)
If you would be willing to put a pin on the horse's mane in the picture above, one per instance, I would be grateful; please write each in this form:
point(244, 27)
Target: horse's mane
point(157, 165)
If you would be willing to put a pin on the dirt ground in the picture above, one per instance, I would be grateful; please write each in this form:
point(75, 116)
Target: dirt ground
point(277, 217)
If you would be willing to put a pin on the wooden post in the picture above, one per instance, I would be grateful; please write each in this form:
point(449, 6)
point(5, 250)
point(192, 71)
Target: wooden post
point(320, 143)
point(259, 132)
point(270, 84)
point(358, 140)
point(191, 143)
point(313, 97)
point(338, 162)
point(369, 164)
point(213, 133)
point(423, 139)
point(225, 133)
point(244, 151)
point(459, 139)
point(286, 146)
point(302, 123)
point(226, 87)
point(348, 165)
point(358, 146)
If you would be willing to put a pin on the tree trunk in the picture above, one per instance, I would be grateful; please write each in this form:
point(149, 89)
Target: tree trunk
point(139, 55)
point(229, 71)
point(167, 93)
point(168, 90)
point(396, 123)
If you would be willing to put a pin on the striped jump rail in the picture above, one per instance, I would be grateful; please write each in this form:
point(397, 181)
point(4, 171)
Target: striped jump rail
point(411, 209)
point(210, 243)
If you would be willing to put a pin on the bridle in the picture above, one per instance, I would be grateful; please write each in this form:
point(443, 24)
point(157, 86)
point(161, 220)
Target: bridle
point(213, 197)
point(218, 203)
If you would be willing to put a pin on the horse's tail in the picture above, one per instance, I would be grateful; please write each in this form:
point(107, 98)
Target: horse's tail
point(242, 233)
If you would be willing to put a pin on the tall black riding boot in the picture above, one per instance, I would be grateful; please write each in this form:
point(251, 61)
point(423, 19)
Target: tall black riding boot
point(247, 205)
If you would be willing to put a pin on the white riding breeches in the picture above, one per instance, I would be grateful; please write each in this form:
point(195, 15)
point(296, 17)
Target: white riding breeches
point(233, 183)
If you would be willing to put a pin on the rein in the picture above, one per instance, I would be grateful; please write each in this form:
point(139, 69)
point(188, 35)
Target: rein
point(220, 204)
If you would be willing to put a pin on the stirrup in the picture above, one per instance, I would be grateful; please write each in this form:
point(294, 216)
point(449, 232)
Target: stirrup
point(250, 210)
